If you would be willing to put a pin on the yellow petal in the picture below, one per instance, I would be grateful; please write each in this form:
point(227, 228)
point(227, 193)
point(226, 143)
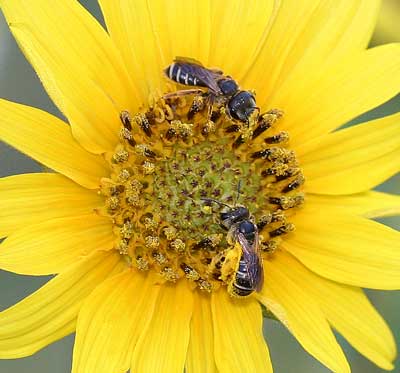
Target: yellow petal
point(348, 310)
point(50, 247)
point(341, 162)
point(301, 314)
point(238, 31)
point(346, 248)
point(200, 356)
point(238, 340)
point(112, 318)
point(77, 64)
point(50, 313)
point(48, 140)
point(306, 36)
point(31, 198)
point(368, 204)
point(330, 98)
point(151, 34)
point(163, 347)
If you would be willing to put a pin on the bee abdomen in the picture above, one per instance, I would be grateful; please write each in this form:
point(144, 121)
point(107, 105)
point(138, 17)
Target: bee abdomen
point(181, 73)
point(241, 285)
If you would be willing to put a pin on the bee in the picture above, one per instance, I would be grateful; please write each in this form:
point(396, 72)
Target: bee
point(243, 233)
point(222, 90)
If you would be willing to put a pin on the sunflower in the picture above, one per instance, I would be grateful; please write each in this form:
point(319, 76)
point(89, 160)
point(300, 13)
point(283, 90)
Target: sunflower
point(144, 176)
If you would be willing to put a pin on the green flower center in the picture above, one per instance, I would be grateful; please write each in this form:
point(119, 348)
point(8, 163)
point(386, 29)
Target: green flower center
point(205, 170)
point(172, 175)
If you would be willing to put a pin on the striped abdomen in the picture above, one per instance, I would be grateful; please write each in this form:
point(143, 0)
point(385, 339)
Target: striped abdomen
point(242, 285)
point(184, 73)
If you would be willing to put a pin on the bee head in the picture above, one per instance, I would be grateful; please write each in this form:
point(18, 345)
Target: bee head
point(242, 106)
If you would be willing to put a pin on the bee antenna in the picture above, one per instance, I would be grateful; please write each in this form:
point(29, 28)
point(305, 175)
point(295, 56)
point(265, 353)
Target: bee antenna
point(216, 201)
point(238, 192)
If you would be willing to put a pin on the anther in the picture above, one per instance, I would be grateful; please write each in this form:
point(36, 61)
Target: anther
point(190, 273)
point(280, 137)
point(198, 105)
point(291, 171)
point(178, 245)
point(120, 156)
point(278, 215)
point(152, 242)
point(133, 199)
point(277, 168)
point(282, 230)
point(180, 129)
point(124, 175)
point(209, 127)
point(215, 115)
point(148, 167)
point(123, 247)
point(232, 128)
point(169, 274)
point(127, 230)
point(170, 233)
point(159, 257)
point(275, 154)
point(269, 246)
point(287, 202)
point(112, 203)
point(266, 120)
point(126, 119)
point(144, 151)
point(296, 183)
point(239, 141)
point(263, 221)
point(150, 224)
point(126, 135)
point(142, 264)
point(143, 122)
point(204, 285)
point(135, 186)
point(209, 242)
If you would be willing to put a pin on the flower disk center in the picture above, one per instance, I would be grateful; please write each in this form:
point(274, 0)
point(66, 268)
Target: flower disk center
point(176, 172)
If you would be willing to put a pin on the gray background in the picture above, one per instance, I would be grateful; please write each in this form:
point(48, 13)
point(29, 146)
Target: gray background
point(19, 83)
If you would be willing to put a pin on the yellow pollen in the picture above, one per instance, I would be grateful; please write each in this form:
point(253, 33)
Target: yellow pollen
point(148, 167)
point(152, 242)
point(178, 245)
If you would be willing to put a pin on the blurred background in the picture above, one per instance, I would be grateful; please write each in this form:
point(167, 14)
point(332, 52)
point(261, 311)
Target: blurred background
point(19, 83)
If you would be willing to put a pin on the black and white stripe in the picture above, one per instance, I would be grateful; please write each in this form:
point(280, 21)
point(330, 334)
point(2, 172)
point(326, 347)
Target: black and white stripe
point(242, 283)
point(181, 73)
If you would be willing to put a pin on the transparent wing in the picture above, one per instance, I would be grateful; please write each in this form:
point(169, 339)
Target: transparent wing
point(253, 260)
point(208, 77)
point(188, 60)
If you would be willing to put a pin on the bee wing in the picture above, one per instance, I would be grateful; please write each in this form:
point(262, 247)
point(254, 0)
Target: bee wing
point(188, 60)
point(253, 259)
point(208, 77)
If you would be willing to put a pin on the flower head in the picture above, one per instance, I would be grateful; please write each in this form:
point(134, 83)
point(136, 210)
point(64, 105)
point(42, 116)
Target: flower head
point(172, 217)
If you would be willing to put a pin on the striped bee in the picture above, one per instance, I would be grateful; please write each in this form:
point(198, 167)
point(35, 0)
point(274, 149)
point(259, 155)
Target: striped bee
point(222, 89)
point(249, 274)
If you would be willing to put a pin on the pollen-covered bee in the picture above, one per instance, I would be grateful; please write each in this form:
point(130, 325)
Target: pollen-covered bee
point(248, 275)
point(222, 90)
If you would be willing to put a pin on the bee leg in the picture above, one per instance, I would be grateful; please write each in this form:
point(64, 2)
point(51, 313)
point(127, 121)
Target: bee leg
point(209, 125)
point(184, 92)
point(210, 108)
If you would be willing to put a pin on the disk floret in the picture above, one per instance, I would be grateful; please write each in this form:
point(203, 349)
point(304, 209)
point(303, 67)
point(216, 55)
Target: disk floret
point(166, 166)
